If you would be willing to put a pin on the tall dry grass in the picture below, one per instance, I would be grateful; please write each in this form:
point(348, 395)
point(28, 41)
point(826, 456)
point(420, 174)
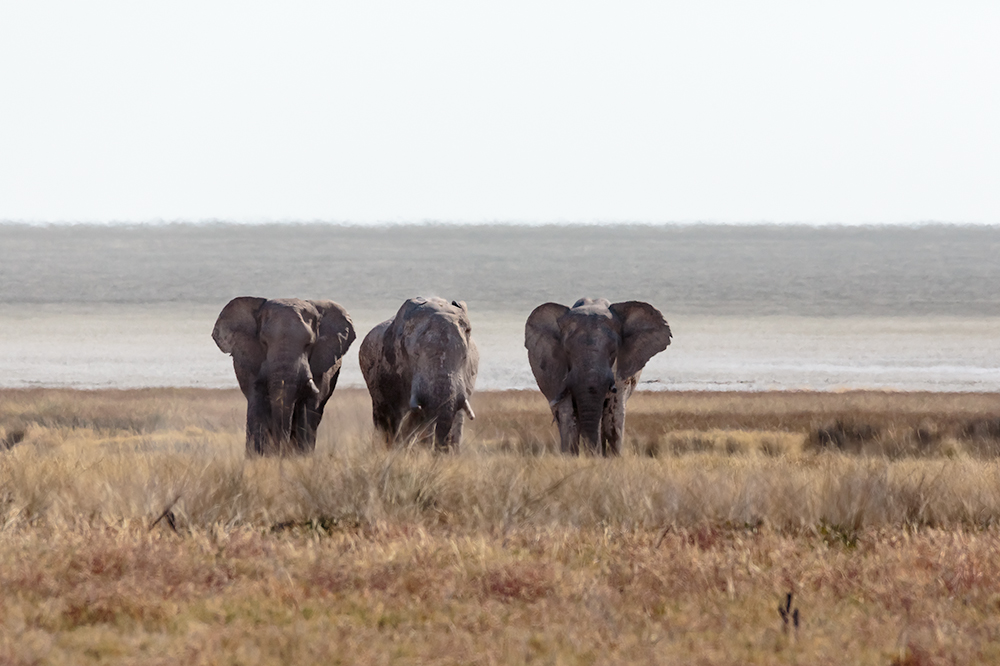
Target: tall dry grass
point(108, 456)
point(677, 552)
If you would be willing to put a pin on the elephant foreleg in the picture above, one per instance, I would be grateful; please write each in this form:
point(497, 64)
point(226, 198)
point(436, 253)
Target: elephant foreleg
point(258, 419)
point(386, 425)
point(569, 431)
point(304, 428)
point(613, 420)
point(314, 413)
point(448, 440)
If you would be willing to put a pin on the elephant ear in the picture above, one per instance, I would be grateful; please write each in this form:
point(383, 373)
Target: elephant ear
point(236, 322)
point(334, 336)
point(644, 333)
point(235, 333)
point(370, 353)
point(546, 355)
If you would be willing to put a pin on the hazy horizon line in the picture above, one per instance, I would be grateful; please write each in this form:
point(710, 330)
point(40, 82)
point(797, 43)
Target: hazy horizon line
point(160, 222)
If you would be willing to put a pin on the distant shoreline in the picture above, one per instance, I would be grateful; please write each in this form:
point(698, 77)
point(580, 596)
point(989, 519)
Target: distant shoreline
point(519, 392)
point(755, 270)
point(917, 224)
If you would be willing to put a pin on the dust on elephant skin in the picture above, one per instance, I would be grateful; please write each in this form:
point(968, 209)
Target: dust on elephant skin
point(287, 355)
point(420, 368)
point(587, 360)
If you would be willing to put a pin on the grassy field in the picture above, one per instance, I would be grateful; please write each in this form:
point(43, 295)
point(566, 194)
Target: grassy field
point(134, 530)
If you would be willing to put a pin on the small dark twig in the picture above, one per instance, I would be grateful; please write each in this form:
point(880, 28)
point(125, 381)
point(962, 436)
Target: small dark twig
point(788, 613)
point(169, 515)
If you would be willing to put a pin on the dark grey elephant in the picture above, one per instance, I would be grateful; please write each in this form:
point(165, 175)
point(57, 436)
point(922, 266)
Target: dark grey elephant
point(587, 360)
point(420, 367)
point(287, 355)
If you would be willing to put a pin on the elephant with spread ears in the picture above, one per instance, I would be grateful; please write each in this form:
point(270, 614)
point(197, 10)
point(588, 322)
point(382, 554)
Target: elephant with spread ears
point(420, 368)
point(287, 355)
point(587, 360)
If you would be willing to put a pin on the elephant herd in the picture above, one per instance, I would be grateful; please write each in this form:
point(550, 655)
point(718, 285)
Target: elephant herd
point(421, 365)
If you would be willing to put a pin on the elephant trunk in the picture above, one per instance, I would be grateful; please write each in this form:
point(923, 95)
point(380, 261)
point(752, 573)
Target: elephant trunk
point(589, 395)
point(287, 394)
point(438, 404)
point(443, 425)
point(589, 423)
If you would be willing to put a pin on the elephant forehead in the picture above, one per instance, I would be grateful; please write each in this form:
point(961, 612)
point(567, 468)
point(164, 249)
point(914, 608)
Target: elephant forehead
point(598, 303)
point(433, 306)
point(303, 309)
point(439, 313)
point(443, 325)
point(595, 309)
point(287, 317)
point(588, 328)
point(586, 317)
point(432, 301)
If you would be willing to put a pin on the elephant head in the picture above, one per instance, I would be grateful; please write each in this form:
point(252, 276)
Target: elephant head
point(287, 355)
point(420, 367)
point(587, 360)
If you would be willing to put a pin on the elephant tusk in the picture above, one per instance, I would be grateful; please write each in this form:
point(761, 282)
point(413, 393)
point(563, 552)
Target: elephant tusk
point(559, 398)
point(468, 409)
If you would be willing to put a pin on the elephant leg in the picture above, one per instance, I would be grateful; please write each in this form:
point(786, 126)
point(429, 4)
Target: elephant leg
point(314, 413)
point(386, 428)
point(613, 422)
point(454, 436)
point(610, 428)
point(569, 432)
point(416, 428)
point(386, 419)
point(303, 429)
point(258, 419)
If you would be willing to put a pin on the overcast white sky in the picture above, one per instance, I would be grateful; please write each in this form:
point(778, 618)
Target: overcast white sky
point(508, 111)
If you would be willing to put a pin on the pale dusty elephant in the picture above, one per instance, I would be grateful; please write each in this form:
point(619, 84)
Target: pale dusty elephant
point(420, 367)
point(587, 360)
point(287, 355)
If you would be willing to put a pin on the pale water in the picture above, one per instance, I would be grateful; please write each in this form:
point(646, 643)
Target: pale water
point(751, 308)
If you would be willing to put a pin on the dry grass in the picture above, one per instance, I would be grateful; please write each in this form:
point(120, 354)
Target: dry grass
point(678, 552)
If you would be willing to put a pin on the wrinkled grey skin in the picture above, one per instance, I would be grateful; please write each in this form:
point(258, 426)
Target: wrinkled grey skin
point(420, 367)
point(287, 355)
point(587, 360)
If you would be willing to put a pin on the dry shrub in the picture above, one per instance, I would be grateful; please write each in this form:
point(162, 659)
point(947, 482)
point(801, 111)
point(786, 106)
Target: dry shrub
point(517, 581)
point(843, 436)
point(981, 437)
point(982, 429)
point(11, 436)
point(923, 439)
point(741, 442)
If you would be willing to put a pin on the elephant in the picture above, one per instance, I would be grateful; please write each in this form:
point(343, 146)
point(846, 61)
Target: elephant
point(287, 355)
point(587, 360)
point(420, 368)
